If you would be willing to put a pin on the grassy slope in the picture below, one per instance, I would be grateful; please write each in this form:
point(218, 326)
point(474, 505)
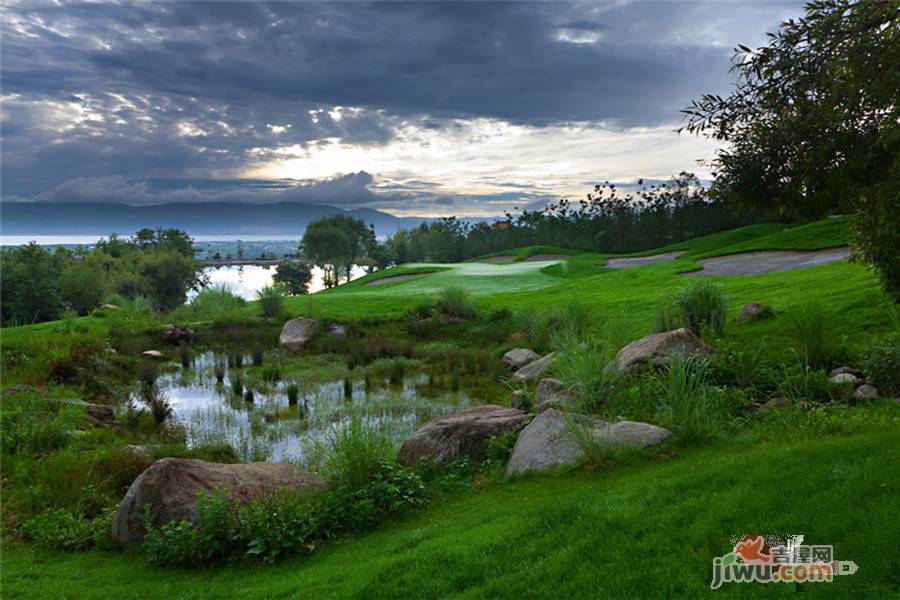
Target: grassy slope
point(646, 530)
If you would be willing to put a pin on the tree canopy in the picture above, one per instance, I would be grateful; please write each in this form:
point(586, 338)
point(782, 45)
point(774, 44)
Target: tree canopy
point(335, 244)
point(812, 127)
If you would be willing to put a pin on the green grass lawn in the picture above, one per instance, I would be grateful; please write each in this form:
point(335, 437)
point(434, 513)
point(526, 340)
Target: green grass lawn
point(644, 530)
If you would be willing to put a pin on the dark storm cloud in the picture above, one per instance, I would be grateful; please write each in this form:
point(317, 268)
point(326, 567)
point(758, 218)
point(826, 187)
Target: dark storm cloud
point(183, 90)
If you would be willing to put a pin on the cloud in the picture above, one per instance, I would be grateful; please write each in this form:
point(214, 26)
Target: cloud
point(110, 93)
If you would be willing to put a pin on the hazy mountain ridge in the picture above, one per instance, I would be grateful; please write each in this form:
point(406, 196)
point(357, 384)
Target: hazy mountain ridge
point(290, 219)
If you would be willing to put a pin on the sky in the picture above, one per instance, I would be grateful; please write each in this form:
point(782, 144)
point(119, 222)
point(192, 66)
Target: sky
point(424, 108)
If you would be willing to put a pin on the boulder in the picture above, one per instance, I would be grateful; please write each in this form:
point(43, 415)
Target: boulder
point(777, 403)
point(462, 434)
point(844, 378)
point(452, 320)
point(519, 357)
point(170, 487)
point(658, 348)
point(550, 441)
point(552, 393)
point(297, 332)
point(156, 354)
point(534, 369)
point(865, 392)
point(842, 370)
point(175, 334)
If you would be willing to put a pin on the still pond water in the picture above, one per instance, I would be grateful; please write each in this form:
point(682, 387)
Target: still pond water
point(270, 429)
point(246, 280)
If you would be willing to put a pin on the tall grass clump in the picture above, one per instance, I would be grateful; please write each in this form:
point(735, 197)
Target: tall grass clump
point(292, 391)
point(237, 384)
point(215, 303)
point(687, 402)
point(699, 307)
point(585, 365)
point(271, 300)
point(354, 450)
point(812, 328)
point(455, 301)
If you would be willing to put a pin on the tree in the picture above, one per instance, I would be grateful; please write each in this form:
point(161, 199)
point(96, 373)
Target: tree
point(812, 126)
point(169, 275)
point(30, 284)
point(294, 275)
point(336, 244)
point(82, 285)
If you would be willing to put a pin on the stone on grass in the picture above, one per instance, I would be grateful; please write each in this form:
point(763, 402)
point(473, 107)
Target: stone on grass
point(534, 369)
point(551, 441)
point(153, 354)
point(753, 311)
point(777, 403)
point(658, 348)
point(297, 332)
point(462, 434)
point(99, 412)
point(337, 330)
point(865, 392)
point(170, 487)
point(842, 370)
point(553, 393)
point(519, 357)
point(844, 378)
point(109, 307)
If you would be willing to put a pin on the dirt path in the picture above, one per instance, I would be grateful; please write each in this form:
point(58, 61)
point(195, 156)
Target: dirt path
point(768, 261)
point(627, 263)
point(394, 278)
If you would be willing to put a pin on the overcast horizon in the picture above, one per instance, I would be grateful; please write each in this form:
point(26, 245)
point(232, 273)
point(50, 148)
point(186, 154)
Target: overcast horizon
point(426, 109)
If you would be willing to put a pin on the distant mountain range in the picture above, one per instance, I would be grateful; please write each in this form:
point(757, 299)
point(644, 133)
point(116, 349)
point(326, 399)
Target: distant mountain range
point(214, 218)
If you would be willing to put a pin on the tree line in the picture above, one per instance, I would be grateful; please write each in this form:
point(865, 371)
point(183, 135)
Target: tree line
point(41, 285)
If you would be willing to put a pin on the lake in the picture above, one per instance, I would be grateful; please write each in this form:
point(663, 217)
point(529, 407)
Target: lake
point(246, 280)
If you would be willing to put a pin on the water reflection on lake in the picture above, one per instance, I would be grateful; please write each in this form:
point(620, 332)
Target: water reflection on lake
point(246, 280)
point(269, 429)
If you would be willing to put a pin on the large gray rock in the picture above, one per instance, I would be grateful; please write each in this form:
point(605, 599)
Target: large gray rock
point(170, 487)
point(99, 412)
point(550, 440)
point(519, 357)
point(865, 392)
point(462, 434)
point(297, 332)
point(844, 378)
point(553, 393)
point(658, 348)
point(534, 369)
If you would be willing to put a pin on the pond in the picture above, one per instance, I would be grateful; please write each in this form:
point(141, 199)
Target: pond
point(246, 280)
point(270, 429)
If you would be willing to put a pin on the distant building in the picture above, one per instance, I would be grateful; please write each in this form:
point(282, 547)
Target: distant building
point(500, 225)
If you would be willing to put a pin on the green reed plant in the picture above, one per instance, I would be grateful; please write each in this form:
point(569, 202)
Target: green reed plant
point(271, 300)
point(699, 307)
point(687, 402)
point(354, 449)
point(455, 301)
point(812, 328)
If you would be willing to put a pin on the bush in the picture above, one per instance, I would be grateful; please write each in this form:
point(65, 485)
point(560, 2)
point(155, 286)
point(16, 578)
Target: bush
point(455, 301)
point(699, 307)
point(215, 303)
point(353, 450)
point(882, 366)
point(58, 528)
point(271, 300)
point(687, 403)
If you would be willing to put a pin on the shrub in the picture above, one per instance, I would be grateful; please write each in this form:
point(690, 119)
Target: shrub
point(700, 306)
point(455, 301)
point(58, 528)
point(812, 327)
point(354, 449)
point(687, 403)
point(271, 300)
point(882, 366)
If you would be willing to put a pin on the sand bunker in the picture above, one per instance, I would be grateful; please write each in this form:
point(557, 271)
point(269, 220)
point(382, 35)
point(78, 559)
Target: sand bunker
point(498, 259)
point(543, 257)
point(768, 261)
point(627, 263)
point(394, 278)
